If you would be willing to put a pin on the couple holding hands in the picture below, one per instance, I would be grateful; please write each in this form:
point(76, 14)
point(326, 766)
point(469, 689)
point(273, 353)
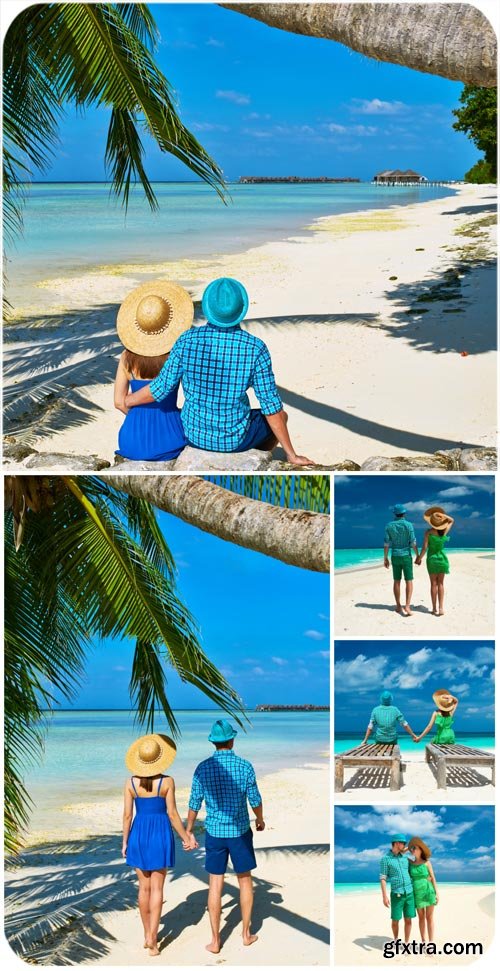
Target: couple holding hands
point(400, 539)
point(386, 718)
point(216, 364)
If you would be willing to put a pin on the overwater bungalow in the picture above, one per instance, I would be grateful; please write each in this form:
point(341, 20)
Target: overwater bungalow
point(397, 176)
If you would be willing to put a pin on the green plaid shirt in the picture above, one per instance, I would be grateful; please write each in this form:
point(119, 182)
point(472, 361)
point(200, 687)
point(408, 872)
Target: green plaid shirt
point(385, 720)
point(396, 870)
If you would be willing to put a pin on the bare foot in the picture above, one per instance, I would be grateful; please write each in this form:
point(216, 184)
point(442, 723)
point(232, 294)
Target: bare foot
point(441, 613)
point(399, 610)
point(213, 947)
point(249, 939)
point(409, 611)
point(154, 950)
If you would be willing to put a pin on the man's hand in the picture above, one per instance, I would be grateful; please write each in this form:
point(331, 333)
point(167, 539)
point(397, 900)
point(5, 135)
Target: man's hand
point(386, 901)
point(190, 843)
point(386, 562)
point(418, 560)
point(295, 459)
point(260, 825)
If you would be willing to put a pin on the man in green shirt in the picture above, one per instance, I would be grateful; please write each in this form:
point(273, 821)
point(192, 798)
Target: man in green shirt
point(385, 719)
point(394, 869)
point(399, 537)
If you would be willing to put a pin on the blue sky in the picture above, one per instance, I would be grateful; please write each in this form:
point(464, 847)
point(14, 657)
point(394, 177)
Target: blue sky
point(412, 671)
point(462, 840)
point(265, 624)
point(363, 505)
point(262, 101)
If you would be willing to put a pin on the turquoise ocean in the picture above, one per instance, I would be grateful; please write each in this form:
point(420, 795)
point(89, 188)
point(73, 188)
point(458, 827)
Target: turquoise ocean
point(363, 559)
point(85, 750)
point(354, 888)
point(75, 227)
point(346, 740)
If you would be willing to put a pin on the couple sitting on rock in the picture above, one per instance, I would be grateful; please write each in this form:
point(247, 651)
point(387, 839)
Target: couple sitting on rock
point(216, 363)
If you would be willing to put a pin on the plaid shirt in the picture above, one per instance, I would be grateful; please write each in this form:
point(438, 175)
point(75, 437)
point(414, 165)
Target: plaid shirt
point(386, 718)
point(216, 367)
point(396, 870)
point(225, 782)
point(400, 536)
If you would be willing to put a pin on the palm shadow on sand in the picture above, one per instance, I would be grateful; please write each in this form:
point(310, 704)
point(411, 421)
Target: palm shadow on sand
point(56, 917)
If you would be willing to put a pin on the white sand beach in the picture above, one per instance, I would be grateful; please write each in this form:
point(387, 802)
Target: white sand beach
point(471, 785)
point(464, 915)
point(381, 326)
point(73, 899)
point(364, 604)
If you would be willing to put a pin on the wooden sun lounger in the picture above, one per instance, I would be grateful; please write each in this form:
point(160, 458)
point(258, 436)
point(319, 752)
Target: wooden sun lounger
point(444, 756)
point(375, 755)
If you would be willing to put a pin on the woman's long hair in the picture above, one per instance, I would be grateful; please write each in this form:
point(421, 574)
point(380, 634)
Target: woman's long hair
point(144, 368)
point(424, 849)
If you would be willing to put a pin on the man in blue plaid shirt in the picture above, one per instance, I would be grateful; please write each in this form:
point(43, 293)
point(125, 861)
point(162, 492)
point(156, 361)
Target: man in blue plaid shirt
point(217, 364)
point(227, 784)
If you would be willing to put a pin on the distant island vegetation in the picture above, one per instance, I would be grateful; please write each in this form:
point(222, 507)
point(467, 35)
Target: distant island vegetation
point(253, 179)
point(292, 708)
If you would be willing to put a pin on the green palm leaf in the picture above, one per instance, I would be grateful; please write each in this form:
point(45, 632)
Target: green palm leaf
point(310, 492)
point(61, 54)
point(92, 564)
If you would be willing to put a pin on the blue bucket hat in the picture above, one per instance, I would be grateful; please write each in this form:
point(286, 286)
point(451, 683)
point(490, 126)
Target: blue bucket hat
point(398, 838)
point(399, 510)
point(222, 731)
point(224, 302)
point(386, 698)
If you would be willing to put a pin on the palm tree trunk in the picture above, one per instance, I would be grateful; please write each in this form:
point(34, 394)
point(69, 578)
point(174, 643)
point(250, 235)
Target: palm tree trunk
point(453, 40)
point(297, 537)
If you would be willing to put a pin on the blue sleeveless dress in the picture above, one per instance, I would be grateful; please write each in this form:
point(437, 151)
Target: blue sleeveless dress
point(151, 840)
point(152, 432)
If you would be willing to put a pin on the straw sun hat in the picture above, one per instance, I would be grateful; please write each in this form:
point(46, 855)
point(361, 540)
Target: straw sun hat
point(153, 316)
point(150, 755)
point(436, 517)
point(439, 702)
point(416, 841)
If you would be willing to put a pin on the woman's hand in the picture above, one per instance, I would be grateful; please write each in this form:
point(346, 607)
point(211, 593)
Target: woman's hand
point(124, 850)
point(190, 843)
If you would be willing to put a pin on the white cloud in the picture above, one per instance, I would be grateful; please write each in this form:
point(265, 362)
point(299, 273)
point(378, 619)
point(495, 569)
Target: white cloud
point(455, 492)
point(258, 671)
point(362, 130)
point(280, 661)
point(208, 126)
point(256, 116)
point(235, 96)
point(361, 106)
point(314, 635)
point(213, 42)
point(119, 668)
point(360, 673)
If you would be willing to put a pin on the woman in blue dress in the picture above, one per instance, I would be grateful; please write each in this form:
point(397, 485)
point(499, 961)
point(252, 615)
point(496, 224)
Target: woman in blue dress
point(149, 321)
point(148, 839)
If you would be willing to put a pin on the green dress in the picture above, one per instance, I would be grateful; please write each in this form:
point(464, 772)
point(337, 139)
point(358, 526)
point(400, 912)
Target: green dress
point(423, 890)
point(437, 561)
point(444, 730)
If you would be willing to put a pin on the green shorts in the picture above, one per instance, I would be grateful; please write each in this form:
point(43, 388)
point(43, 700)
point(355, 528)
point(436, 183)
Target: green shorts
point(402, 905)
point(402, 565)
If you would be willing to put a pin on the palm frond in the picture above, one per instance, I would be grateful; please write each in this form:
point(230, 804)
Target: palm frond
point(310, 492)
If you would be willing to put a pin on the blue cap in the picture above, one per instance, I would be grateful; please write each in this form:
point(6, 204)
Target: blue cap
point(222, 731)
point(399, 510)
point(224, 302)
point(398, 838)
point(386, 698)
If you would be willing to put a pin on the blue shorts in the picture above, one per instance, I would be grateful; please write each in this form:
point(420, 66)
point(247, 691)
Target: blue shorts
point(239, 848)
point(257, 433)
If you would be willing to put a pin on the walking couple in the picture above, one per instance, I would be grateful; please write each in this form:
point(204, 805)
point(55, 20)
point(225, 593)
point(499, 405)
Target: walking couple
point(400, 539)
point(216, 365)
point(227, 784)
point(413, 886)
